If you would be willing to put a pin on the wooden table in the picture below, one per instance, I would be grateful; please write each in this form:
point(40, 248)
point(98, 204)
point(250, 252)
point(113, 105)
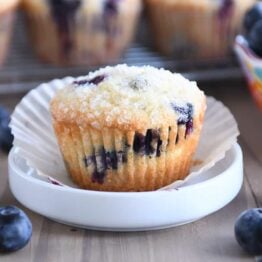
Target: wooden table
point(209, 239)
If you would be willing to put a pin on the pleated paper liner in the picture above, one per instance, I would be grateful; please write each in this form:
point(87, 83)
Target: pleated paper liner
point(35, 139)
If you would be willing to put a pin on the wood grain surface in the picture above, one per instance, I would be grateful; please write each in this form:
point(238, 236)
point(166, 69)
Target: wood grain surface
point(209, 239)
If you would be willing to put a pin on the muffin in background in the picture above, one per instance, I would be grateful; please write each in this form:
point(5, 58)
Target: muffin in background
point(76, 32)
point(7, 14)
point(128, 128)
point(202, 29)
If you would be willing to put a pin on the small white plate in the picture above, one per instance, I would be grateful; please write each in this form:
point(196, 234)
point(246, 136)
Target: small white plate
point(113, 211)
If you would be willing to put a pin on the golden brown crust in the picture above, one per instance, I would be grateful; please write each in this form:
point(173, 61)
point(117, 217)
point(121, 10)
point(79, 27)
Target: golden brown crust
point(140, 172)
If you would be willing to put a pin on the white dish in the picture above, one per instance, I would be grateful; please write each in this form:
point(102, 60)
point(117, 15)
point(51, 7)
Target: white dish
point(129, 211)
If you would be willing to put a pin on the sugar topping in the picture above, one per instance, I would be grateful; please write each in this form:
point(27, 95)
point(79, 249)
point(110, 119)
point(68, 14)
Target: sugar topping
point(132, 98)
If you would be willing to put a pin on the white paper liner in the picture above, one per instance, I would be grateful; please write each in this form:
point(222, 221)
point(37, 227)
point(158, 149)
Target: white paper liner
point(34, 136)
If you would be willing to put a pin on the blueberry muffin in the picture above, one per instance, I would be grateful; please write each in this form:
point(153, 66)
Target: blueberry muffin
point(128, 128)
point(7, 13)
point(75, 32)
point(196, 29)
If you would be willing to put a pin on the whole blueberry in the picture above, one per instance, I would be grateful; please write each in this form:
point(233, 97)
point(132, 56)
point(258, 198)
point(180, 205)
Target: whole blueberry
point(255, 38)
point(252, 16)
point(6, 138)
point(248, 231)
point(15, 229)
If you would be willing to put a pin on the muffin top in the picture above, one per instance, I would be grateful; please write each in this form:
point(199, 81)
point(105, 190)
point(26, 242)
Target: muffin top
point(130, 98)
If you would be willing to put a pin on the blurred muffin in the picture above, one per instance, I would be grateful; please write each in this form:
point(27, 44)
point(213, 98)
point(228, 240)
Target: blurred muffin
point(73, 32)
point(128, 128)
point(7, 13)
point(196, 29)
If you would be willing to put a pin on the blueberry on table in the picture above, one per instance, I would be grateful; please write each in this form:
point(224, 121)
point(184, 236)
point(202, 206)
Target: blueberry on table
point(255, 38)
point(248, 231)
point(6, 138)
point(252, 16)
point(15, 229)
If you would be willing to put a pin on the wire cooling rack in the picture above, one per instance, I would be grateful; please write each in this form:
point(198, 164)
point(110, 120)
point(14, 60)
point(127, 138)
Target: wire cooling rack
point(23, 71)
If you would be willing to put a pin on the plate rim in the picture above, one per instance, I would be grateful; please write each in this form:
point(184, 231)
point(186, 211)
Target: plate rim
point(137, 220)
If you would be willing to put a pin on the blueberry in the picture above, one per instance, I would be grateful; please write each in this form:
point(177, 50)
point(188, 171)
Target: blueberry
point(252, 16)
point(15, 229)
point(104, 160)
point(6, 138)
point(226, 9)
point(182, 114)
point(111, 7)
point(158, 149)
point(91, 160)
point(122, 156)
point(248, 231)
point(255, 38)
point(98, 177)
point(139, 143)
point(152, 137)
point(96, 80)
point(148, 144)
point(63, 12)
point(185, 113)
point(111, 160)
point(81, 82)
point(189, 127)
